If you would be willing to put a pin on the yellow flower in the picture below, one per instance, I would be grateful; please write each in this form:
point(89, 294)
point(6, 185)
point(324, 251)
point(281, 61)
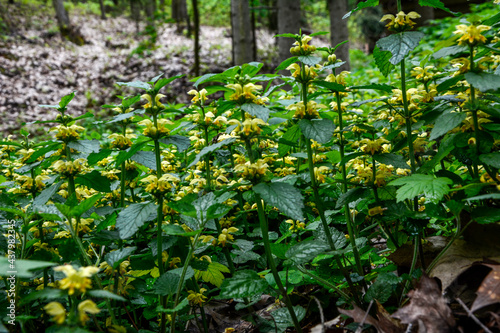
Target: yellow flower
point(87, 306)
point(69, 168)
point(195, 298)
point(76, 280)
point(57, 311)
point(155, 132)
point(159, 186)
point(303, 76)
point(243, 94)
point(150, 104)
point(200, 97)
point(226, 236)
point(319, 173)
point(400, 22)
point(251, 171)
point(471, 34)
point(422, 74)
point(295, 225)
point(372, 147)
point(301, 112)
point(248, 129)
point(121, 141)
point(302, 48)
point(340, 78)
point(376, 211)
point(67, 133)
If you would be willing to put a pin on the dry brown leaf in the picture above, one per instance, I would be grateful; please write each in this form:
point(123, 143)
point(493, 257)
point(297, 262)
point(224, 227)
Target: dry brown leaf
point(489, 291)
point(384, 324)
point(427, 308)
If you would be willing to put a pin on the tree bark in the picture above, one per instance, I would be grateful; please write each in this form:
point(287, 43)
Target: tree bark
point(103, 13)
point(71, 32)
point(339, 31)
point(196, 14)
point(179, 13)
point(288, 22)
point(135, 11)
point(242, 32)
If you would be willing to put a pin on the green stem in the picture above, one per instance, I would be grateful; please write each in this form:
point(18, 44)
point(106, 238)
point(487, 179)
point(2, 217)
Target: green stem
point(474, 116)
point(122, 186)
point(323, 281)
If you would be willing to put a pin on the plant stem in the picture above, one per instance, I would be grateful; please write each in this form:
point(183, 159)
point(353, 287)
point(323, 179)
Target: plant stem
point(474, 116)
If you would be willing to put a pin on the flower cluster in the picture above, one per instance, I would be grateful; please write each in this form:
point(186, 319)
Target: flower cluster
point(301, 46)
point(400, 22)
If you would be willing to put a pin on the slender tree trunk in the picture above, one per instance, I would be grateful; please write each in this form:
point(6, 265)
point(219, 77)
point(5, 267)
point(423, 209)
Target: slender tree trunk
point(71, 32)
point(254, 35)
point(242, 32)
point(288, 22)
point(180, 14)
point(150, 9)
point(135, 11)
point(103, 13)
point(196, 14)
point(339, 31)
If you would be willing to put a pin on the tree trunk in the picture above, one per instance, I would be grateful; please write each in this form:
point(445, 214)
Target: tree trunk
point(241, 32)
point(71, 32)
point(196, 14)
point(179, 13)
point(103, 13)
point(288, 22)
point(135, 11)
point(339, 31)
point(150, 9)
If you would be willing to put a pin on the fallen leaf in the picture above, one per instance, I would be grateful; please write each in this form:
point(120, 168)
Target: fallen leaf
point(427, 308)
point(489, 291)
point(384, 324)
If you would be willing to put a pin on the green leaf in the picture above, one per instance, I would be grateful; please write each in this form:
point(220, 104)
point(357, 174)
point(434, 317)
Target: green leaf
point(310, 60)
point(492, 159)
point(135, 84)
point(320, 130)
point(291, 135)
point(449, 51)
point(350, 156)
point(445, 123)
point(486, 215)
point(320, 33)
point(287, 62)
point(163, 82)
point(93, 158)
point(184, 303)
point(85, 205)
point(42, 152)
point(22, 268)
point(66, 99)
point(210, 149)
point(435, 4)
point(432, 188)
point(125, 155)
point(146, 158)
point(286, 35)
point(166, 284)
point(213, 274)
point(382, 61)
point(86, 146)
point(124, 116)
point(447, 84)
point(284, 196)
point(444, 150)
point(106, 294)
point(361, 5)
point(332, 86)
point(352, 195)
point(133, 217)
point(44, 294)
point(243, 284)
point(400, 44)
point(114, 258)
point(305, 251)
point(483, 81)
point(282, 318)
point(256, 110)
point(397, 161)
point(46, 194)
point(379, 291)
point(375, 86)
point(181, 142)
point(95, 181)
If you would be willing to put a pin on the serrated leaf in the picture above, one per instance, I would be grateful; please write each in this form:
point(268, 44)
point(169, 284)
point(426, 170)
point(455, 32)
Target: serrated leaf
point(210, 149)
point(106, 294)
point(146, 158)
point(486, 215)
point(320, 130)
point(306, 251)
point(291, 135)
point(447, 84)
point(400, 44)
point(332, 86)
point(382, 61)
point(135, 84)
point(449, 51)
point(284, 196)
point(446, 122)
point(432, 188)
point(125, 155)
point(435, 4)
point(114, 258)
point(395, 160)
point(483, 81)
point(492, 159)
point(361, 5)
point(46, 194)
point(85, 205)
point(42, 151)
point(213, 274)
point(124, 116)
point(93, 158)
point(166, 284)
point(243, 284)
point(94, 180)
point(375, 86)
point(256, 110)
point(282, 318)
point(181, 142)
point(133, 217)
point(309, 60)
point(85, 146)
point(351, 195)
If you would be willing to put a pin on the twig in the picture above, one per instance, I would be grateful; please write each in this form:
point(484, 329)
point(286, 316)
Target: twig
point(322, 316)
point(362, 323)
point(469, 312)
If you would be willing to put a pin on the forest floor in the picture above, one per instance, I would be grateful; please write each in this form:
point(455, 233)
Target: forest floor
point(38, 67)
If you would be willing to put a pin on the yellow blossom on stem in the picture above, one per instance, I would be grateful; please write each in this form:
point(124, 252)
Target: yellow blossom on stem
point(244, 94)
point(226, 236)
point(69, 168)
point(295, 225)
point(302, 47)
point(252, 171)
point(200, 97)
point(195, 298)
point(76, 280)
point(155, 132)
point(400, 22)
point(86, 306)
point(121, 141)
point(319, 173)
point(149, 104)
point(160, 186)
point(372, 147)
point(376, 211)
point(67, 133)
point(471, 34)
point(57, 311)
point(301, 112)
